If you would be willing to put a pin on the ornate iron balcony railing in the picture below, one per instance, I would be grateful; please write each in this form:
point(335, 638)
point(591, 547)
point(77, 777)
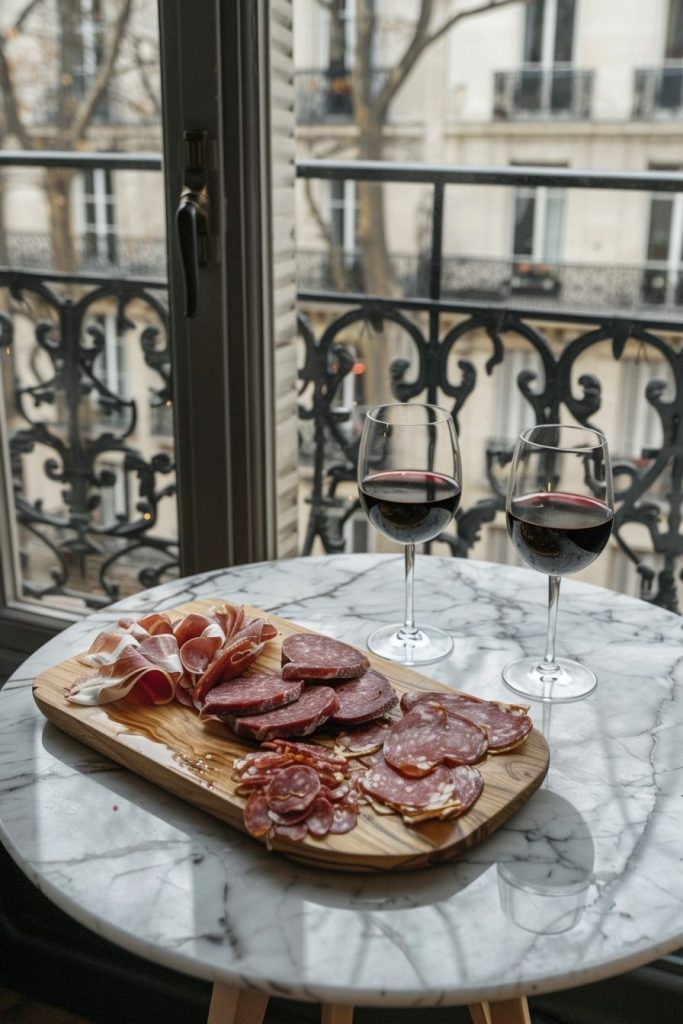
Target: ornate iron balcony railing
point(436, 337)
point(532, 93)
point(658, 92)
point(83, 423)
point(92, 463)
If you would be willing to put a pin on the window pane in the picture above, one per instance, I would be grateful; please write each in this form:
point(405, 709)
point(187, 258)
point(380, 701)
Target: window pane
point(660, 229)
point(87, 362)
point(674, 36)
point(564, 30)
point(533, 32)
point(523, 244)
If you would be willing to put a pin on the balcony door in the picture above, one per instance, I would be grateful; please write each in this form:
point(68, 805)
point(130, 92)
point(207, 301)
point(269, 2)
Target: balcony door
point(547, 80)
point(191, 465)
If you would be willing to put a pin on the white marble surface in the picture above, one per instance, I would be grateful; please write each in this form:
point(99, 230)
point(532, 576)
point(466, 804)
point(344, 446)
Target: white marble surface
point(592, 863)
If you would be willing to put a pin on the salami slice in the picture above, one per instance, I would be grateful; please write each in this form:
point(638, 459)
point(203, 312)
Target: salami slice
point(256, 817)
point(344, 818)
point(261, 690)
point(314, 706)
point(311, 656)
point(292, 789)
point(364, 740)
point(444, 793)
point(320, 817)
point(363, 699)
point(428, 736)
point(506, 725)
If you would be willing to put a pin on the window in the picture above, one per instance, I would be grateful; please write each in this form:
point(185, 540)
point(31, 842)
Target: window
point(674, 33)
point(95, 216)
point(663, 278)
point(537, 241)
point(548, 44)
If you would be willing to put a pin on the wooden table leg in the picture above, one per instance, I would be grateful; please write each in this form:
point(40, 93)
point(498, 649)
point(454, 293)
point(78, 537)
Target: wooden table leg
point(336, 1014)
point(236, 1006)
point(479, 1012)
point(507, 1011)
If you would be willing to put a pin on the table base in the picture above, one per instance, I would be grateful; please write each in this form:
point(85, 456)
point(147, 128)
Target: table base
point(238, 1006)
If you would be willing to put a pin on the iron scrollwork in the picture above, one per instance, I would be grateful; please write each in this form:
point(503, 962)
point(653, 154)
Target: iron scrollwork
point(79, 420)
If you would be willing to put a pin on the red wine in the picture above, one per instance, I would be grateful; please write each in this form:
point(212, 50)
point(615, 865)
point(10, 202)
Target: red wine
point(411, 506)
point(559, 533)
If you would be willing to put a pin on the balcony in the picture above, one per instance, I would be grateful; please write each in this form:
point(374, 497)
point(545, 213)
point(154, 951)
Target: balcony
point(658, 92)
point(534, 93)
point(323, 95)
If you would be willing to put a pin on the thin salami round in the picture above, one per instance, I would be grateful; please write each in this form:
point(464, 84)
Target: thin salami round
point(445, 793)
point(363, 699)
point(261, 690)
point(292, 789)
point(364, 740)
point(256, 817)
point(320, 817)
point(311, 656)
point(314, 706)
point(506, 725)
point(430, 735)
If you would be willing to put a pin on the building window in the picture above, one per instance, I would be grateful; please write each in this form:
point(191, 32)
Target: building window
point(663, 278)
point(674, 33)
point(538, 233)
point(513, 413)
point(547, 82)
point(96, 216)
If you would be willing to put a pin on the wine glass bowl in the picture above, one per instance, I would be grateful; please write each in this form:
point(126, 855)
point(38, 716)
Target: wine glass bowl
point(409, 482)
point(560, 511)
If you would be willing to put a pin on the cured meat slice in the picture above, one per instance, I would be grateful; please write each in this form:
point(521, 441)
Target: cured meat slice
point(107, 646)
point(506, 725)
point(292, 789)
point(344, 818)
point(236, 656)
point(132, 675)
point(363, 699)
point(155, 623)
point(314, 706)
point(256, 817)
point(190, 626)
point(197, 653)
point(364, 740)
point(311, 656)
point(445, 793)
point(251, 694)
point(430, 735)
point(162, 650)
point(320, 817)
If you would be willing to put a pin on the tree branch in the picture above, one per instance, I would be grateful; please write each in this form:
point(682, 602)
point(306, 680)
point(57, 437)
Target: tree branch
point(95, 94)
point(14, 124)
point(422, 39)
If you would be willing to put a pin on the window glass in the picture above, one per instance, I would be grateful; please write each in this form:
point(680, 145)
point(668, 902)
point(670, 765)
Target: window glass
point(564, 30)
point(533, 32)
point(674, 35)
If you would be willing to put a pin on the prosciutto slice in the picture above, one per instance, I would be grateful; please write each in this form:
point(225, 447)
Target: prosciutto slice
point(132, 675)
point(238, 653)
point(107, 646)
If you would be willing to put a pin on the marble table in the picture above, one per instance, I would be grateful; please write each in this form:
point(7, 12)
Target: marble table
point(582, 883)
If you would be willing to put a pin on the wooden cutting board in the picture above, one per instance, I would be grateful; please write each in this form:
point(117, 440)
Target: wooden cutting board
point(169, 746)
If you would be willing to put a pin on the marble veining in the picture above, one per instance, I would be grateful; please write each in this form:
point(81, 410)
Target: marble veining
point(583, 882)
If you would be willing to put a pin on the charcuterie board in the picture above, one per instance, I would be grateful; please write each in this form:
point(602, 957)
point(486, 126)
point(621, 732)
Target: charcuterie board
point(169, 746)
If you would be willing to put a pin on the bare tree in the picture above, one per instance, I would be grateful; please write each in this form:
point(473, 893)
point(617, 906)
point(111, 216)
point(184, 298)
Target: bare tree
point(371, 100)
point(73, 87)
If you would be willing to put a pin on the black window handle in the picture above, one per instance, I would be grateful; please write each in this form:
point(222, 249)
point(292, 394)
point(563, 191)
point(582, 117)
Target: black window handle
point(192, 218)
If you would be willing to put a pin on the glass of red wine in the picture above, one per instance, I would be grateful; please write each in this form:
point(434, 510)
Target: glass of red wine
point(560, 510)
point(409, 481)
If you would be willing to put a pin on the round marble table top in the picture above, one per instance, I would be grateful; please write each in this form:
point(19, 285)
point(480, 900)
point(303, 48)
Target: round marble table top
point(583, 882)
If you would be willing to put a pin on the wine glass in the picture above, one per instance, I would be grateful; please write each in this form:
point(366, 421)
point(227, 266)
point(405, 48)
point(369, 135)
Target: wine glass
point(409, 482)
point(560, 511)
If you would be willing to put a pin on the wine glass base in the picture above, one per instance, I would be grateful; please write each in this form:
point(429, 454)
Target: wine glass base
point(571, 680)
point(421, 647)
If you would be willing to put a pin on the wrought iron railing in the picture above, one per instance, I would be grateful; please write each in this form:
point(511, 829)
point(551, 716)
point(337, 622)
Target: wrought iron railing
point(434, 360)
point(560, 286)
point(85, 427)
point(74, 422)
point(533, 92)
point(658, 92)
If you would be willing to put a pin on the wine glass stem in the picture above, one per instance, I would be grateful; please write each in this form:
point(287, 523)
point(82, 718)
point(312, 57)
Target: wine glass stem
point(409, 619)
point(553, 598)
